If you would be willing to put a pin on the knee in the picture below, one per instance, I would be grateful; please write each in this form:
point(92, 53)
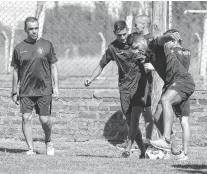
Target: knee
point(27, 117)
point(44, 119)
point(155, 118)
point(165, 99)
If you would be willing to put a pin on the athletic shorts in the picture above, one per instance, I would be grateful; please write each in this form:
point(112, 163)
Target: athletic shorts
point(41, 104)
point(185, 89)
point(182, 109)
point(142, 97)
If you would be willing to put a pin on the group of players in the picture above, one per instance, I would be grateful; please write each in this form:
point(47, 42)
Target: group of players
point(136, 55)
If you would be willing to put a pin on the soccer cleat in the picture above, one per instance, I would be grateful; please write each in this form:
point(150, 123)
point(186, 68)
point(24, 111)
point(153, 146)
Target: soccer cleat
point(30, 152)
point(50, 150)
point(182, 157)
point(161, 144)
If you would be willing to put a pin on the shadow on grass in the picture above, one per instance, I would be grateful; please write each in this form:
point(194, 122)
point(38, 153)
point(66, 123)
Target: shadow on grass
point(97, 156)
point(12, 150)
point(191, 168)
point(34, 139)
point(115, 129)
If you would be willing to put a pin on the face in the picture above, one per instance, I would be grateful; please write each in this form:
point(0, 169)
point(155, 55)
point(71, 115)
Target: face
point(32, 29)
point(140, 46)
point(138, 25)
point(122, 35)
point(171, 44)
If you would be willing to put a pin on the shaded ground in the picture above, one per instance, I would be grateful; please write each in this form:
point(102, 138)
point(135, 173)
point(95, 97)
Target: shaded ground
point(93, 156)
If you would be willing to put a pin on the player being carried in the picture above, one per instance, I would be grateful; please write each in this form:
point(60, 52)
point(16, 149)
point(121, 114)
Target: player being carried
point(183, 56)
point(178, 83)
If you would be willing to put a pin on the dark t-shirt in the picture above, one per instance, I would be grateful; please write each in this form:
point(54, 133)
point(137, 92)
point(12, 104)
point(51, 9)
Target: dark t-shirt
point(167, 64)
point(129, 72)
point(183, 56)
point(148, 37)
point(33, 62)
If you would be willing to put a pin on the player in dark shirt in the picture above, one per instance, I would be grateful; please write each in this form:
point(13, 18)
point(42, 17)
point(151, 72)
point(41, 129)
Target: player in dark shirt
point(142, 26)
point(131, 85)
point(34, 63)
point(178, 83)
point(183, 56)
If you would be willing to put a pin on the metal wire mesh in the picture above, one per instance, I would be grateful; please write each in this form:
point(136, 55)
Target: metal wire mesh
point(80, 32)
point(190, 18)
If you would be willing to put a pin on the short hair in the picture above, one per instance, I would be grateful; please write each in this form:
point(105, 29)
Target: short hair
point(146, 19)
point(29, 19)
point(133, 37)
point(174, 31)
point(119, 25)
point(171, 31)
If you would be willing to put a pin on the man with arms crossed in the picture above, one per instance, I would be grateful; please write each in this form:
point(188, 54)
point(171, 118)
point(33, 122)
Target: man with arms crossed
point(35, 66)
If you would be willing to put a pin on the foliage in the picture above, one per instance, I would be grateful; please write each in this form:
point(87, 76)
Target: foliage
point(74, 26)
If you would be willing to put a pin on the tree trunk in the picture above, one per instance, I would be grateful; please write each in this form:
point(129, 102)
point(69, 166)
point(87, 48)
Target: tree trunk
point(159, 26)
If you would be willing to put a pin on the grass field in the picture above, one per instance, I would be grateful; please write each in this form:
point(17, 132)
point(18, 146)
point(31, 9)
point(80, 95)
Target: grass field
point(93, 156)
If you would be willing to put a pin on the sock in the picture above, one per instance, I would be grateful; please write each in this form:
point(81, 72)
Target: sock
point(167, 141)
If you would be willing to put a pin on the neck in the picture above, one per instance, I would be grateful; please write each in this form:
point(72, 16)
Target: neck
point(31, 40)
point(145, 32)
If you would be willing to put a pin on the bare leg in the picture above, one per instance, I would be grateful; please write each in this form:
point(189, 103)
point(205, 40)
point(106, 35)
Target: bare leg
point(27, 129)
point(139, 141)
point(147, 114)
point(47, 127)
point(186, 132)
point(158, 119)
point(170, 97)
point(134, 128)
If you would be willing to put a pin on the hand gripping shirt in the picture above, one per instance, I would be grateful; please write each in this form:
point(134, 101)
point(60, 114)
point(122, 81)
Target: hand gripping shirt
point(33, 61)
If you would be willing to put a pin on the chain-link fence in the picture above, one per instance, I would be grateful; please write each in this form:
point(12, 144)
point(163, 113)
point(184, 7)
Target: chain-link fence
point(80, 32)
point(190, 18)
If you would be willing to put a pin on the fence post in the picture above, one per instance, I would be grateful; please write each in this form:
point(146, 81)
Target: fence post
point(204, 49)
point(6, 48)
point(159, 25)
point(11, 45)
point(40, 15)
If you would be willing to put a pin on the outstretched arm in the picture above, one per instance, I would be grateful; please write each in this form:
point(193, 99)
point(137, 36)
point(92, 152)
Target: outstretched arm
point(95, 74)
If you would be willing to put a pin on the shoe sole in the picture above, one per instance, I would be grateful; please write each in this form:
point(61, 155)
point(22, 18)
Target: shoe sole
point(161, 148)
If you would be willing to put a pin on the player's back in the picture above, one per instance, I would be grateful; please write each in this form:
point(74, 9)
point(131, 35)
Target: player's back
point(183, 56)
